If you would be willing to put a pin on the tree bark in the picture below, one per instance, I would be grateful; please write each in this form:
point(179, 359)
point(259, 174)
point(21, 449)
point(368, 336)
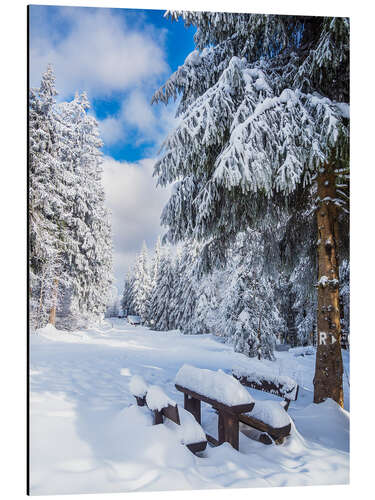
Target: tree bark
point(52, 313)
point(329, 367)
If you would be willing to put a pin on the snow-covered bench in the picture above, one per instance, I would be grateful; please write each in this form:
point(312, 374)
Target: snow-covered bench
point(268, 417)
point(219, 390)
point(190, 432)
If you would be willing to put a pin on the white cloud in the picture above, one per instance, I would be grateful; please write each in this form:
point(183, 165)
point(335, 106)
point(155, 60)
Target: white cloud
point(136, 206)
point(112, 130)
point(99, 53)
point(151, 124)
point(137, 111)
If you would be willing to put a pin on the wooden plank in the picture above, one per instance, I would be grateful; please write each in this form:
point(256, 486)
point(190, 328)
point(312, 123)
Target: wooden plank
point(212, 440)
point(171, 412)
point(196, 447)
point(275, 433)
point(236, 409)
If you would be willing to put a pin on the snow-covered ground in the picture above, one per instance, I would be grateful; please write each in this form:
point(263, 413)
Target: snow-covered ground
point(86, 434)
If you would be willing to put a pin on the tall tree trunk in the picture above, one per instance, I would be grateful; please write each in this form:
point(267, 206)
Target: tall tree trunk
point(52, 313)
point(329, 367)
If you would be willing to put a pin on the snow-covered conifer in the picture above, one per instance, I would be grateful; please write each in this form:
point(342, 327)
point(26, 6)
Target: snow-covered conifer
point(162, 293)
point(263, 115)
point(127, 300)
point(48, 203)
point(142, 284)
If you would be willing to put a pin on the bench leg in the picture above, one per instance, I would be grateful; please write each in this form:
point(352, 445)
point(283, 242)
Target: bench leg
point(141, 401)
point(228, 429)
point(193, 406)
point(158, 417)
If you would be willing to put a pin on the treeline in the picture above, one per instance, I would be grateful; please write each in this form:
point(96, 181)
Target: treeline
point(247, 302)
point(70, 246)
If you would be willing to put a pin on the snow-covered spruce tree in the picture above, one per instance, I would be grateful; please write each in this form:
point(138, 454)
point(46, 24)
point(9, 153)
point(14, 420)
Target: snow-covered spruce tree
point(154, 274)
point(176, 309)
point(345, 300)
point(70, 236)
point(162, 293)
point(304, 305)
point(251, 316)
point(264, 115)
point(185, 292)
point(142, 284)
point(127, 300)
point(89, 252)
point(113, 304)
point(48, 204)
point(206, 306)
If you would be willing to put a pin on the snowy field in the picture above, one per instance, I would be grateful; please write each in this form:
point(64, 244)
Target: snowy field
point(87, 435)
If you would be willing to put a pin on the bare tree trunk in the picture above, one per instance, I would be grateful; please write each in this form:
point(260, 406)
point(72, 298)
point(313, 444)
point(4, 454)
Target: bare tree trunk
point(52, 314)
point(329, 367)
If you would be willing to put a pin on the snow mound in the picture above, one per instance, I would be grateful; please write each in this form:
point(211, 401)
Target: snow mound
point(138, 386)
point(255, 371)
point(50, 332)
point(303, 351)
point(156, 398)
point(325, 423)
point(271, 413)
point(215, 385)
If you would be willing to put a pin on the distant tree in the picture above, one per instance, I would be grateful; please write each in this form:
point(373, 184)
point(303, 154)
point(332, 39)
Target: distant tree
point(142, 284)
point(161, 300)
point(127, 300)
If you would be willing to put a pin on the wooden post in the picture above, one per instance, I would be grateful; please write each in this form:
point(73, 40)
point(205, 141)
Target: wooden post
point(141, 400)
point(193, 406)
point(228, 429)
point(158, 417)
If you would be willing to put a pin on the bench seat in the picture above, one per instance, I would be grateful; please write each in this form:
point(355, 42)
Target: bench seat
point(268, 417)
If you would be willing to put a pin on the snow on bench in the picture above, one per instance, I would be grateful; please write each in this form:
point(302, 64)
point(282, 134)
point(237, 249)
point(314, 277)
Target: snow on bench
point(258, 376)
point(270, 412)
point(269, 417)
point(138, 386)
point(156, 398)
point(215, 385)
point(308, 350)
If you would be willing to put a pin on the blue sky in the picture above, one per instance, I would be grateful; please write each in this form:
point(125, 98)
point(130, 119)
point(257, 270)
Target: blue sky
point(119, 57)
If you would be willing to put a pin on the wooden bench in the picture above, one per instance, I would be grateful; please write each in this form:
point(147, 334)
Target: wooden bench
point(281, 386)
point(171, 412)
point(228, 415)
point(228, 421)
